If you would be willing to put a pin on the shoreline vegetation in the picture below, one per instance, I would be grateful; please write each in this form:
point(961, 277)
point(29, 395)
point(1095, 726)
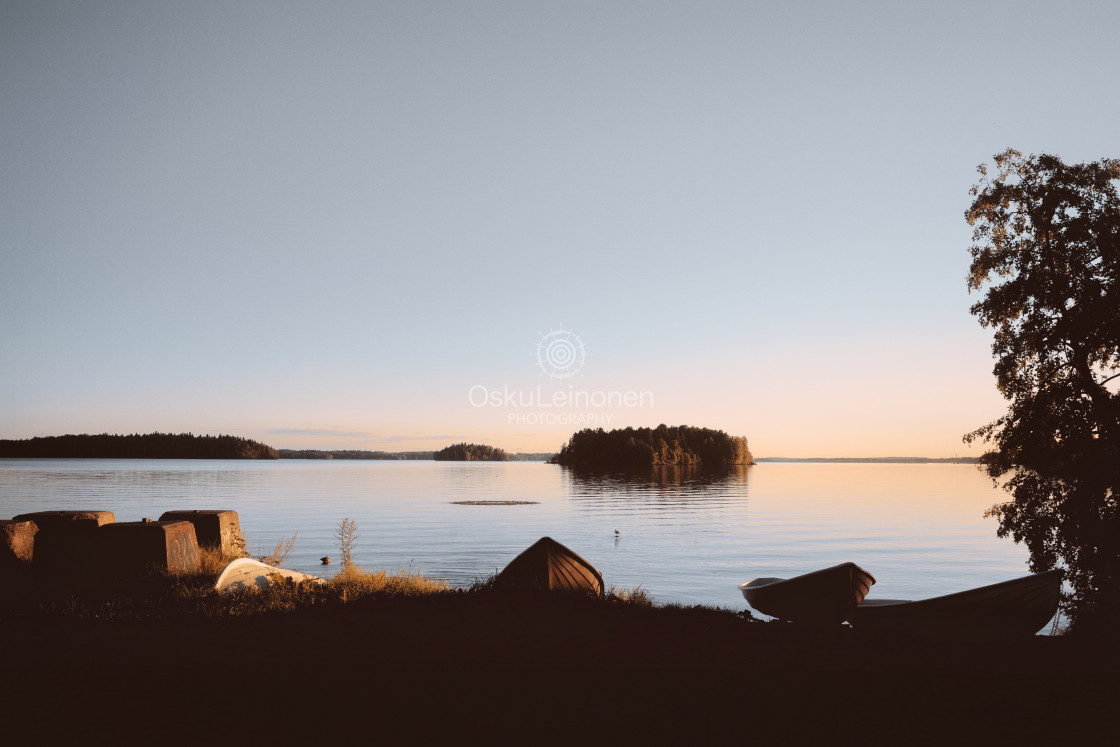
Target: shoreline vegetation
point(621, 452)
point(485, 657)
point(629, 448)
point(397, 455)
point(383, 637)
point(136, 446)
point(465, 452)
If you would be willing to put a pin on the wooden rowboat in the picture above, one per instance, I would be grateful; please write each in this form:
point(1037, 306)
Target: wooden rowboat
point(825, 597)
point(546, 565)
point(246, 573)
point(1016, 608)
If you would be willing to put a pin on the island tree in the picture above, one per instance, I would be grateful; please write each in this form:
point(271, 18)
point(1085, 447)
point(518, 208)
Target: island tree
point(465, 452)
point(627, 448)
point(1046, 259)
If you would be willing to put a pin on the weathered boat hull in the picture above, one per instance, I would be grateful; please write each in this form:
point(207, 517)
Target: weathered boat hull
point(246, 573)
point(1016, 608)
point(547, 565)
point(825, 597)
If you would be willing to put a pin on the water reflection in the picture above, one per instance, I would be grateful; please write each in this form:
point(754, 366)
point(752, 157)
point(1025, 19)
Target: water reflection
point(661, 487)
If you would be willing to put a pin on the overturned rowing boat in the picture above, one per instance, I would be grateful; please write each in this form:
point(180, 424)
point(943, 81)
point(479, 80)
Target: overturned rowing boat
point(546, 565)
point(246, 573)
point(1016, 608)
point(824, 597)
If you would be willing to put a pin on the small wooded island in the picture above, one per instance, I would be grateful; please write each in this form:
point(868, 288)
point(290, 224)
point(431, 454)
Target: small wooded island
point(465, 452)
point(136, 446)
point(644, 447)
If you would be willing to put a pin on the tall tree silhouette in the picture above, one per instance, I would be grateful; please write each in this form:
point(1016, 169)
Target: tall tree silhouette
point(1046, 257)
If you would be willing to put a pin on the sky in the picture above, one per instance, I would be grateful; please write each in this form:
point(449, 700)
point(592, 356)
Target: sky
point(400, 225)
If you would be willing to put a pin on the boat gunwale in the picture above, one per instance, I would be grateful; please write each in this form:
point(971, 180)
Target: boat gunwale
point(812, 598)
point(1022, 580)
point(809, 575)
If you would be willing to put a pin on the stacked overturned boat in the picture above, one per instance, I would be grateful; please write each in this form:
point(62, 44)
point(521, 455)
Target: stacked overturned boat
point(1020, 607)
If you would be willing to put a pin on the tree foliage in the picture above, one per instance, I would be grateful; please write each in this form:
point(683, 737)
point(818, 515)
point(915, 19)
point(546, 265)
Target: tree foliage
point(137, 446)
point(644, 447)
point(465, 452)
point(1046, 257)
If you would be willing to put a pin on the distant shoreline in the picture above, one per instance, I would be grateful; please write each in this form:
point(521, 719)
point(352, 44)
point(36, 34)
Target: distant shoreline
point(136, 446)
point(422, 456)
point(543, 457)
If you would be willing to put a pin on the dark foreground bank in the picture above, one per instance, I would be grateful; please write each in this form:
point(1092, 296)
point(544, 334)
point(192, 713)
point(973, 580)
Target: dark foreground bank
point(473, 667)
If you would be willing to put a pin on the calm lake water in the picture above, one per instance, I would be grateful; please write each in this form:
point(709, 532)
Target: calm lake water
point(686, 536)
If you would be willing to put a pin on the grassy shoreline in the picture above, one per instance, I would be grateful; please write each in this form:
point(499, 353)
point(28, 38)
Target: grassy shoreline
point(515, 669)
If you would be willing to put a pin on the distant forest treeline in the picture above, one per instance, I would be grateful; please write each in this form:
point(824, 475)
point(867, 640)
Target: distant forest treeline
point(353, 454)
point(471, 453)
point(137, 446)
point(643, 447)
point(398, 455)
point(532, 456)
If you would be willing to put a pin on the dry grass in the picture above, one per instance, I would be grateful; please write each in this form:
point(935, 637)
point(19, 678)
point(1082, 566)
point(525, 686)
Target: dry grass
point(279, 553)
point(213, 561)
point(347, 536)
point(636, 596)
point(352, 583)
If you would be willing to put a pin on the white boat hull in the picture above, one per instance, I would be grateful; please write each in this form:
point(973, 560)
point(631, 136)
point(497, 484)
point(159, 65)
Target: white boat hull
point(246, 573)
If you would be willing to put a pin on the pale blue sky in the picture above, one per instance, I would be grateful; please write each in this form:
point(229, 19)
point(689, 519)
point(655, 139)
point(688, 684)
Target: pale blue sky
point(320, 224)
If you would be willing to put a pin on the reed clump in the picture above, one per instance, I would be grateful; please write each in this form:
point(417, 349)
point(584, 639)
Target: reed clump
point(352, 582)
point(636, 596)
point(347, 536)
point(280, 552)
